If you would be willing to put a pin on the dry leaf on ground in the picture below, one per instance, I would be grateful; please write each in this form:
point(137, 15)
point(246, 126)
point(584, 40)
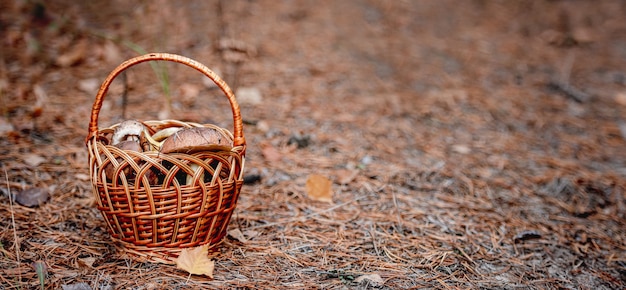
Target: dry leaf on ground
point(319, 188)
point(345, 176)
point(270, 153)
point(249, 95)
point(33, 159)
point(89, 86)
point(87, 261)
point(75, 55)
point(237, 235)
point(196, 261)
point(76, 286)
point(189, 93)
point(374, 279)
point(32, 197)
point(460, 148)
point(620, 98)
point(5, 126)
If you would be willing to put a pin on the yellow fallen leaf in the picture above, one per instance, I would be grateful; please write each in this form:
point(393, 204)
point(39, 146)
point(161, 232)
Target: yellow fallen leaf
point(196, 261)
point(620, 98)
point(319, 188)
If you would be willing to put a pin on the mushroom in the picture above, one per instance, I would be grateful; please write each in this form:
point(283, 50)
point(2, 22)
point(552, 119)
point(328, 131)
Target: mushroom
point(188, 140)
point(194, 139)
point(130, 145)
point(159, 137)
point(126, 136)
point(132, 130)
point(129, 135)
point(129, 130)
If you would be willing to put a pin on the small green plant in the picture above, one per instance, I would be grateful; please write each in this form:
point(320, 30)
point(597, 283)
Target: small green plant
point(159, 69)
point(344, 276)
point(42, 272)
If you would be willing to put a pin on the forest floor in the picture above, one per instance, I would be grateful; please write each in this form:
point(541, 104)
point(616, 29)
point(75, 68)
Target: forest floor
point(471, 144)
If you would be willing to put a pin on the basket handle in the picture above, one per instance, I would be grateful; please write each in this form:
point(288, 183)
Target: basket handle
point(97, 105)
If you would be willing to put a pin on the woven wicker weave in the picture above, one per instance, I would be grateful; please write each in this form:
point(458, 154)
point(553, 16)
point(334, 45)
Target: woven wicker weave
point(150, 211)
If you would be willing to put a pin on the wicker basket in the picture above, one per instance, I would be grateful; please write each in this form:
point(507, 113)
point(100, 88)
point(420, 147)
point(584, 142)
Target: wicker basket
point(153, 219)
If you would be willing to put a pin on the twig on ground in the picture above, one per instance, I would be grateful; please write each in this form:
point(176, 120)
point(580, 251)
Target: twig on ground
point(569, 91)
point(303, 218)
point(16, 242)
point(398, 217)
point(563, 84)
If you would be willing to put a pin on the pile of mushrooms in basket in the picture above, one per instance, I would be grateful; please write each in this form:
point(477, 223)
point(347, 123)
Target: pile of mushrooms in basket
point(133, 135)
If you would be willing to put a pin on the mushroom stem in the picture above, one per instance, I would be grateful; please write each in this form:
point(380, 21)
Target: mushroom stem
point(195, 169)
point(156, 140)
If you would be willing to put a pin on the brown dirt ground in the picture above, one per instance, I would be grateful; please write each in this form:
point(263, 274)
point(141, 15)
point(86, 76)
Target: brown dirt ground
point(472, 144)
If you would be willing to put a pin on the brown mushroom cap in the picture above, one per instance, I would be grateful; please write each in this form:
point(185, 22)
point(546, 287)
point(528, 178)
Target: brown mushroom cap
point(193, 139)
